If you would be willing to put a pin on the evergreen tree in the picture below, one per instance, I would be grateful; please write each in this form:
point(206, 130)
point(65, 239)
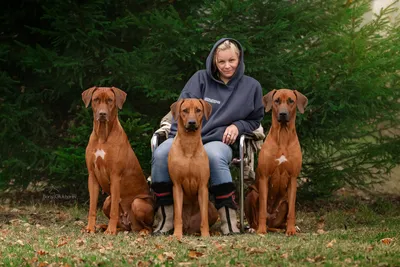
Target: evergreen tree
point(51, 51)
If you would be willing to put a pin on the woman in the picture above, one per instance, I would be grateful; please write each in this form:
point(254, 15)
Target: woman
point(237, 108)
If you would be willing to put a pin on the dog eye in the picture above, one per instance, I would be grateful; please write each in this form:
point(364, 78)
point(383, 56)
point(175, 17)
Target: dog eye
point(185, 110)
point(96, 100)
point(277, 101)
point(109, 100)
point(198, 110)
point(290, 101)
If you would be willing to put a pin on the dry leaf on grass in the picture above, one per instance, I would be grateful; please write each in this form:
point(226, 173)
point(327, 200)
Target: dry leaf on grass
point(169, 255)
point(41, 252)
point(387, 240)
point(316, 259)
point(184, 264)
point(158, 246)
point(80, 242)
point(219, 246)
point(369, 248)
point(284, 255)
point(195, 254)
point(330, 244)
point(20, 242)
point(320, 231)
point(161, 258)
point(43, 264)
point(143, 263)
point(255, 251)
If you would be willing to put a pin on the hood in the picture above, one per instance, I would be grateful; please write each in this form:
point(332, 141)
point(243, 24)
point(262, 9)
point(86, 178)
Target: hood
point(211, 70)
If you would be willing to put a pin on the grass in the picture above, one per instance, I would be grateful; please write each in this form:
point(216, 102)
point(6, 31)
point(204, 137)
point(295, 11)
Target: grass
point(333, 233)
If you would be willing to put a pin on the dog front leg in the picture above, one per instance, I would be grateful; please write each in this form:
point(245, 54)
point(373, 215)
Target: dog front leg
point(262, 212)
point(203, 202)
point(291, 217)
point(178, 203)
point(94, 189)
point(115, 199)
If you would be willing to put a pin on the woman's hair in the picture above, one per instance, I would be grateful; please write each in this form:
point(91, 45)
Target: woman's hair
point(227, 44)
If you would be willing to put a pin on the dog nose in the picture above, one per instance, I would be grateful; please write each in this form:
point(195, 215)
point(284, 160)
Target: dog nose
point(283, 114)
point(192, 122)
point(103, 113)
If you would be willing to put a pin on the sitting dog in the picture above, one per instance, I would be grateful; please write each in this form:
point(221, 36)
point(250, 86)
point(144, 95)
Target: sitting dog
point(271, 200)
point(113, 166)
point(189, 169)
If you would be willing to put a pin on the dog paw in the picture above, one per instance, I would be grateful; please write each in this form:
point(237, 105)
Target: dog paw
point(111, 231)
point(291, 231)
point(261, 230)
point(178, 236)
point(89, 230)
point(144, 232)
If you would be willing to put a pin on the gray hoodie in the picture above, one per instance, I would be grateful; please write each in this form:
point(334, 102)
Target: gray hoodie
point(238, 102)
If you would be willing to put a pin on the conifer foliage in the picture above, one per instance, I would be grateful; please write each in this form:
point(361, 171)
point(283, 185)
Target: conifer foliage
point(51, 51)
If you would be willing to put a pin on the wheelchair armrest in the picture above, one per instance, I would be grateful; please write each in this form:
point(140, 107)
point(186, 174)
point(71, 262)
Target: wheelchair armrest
point(157, 139)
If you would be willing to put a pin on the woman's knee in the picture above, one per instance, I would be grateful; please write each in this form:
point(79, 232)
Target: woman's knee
point(161, 152)
point(218, 153)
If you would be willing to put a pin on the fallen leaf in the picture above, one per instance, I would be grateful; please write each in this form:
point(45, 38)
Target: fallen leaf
point(369, 248)
point(169, 255)
point(62, 244)
point(109, 246)
point(219, 246)
point(161, 258)
point(20, 242)
point(348, 260)
point(43, 264)
point(256, 251)
point(41, 252)
point(284, 255)
point(158, 246)
point(80, 242)
point(194, 254)
point(316, 259)
point(184, 263)
point(321, 231)
point(330, 244)
point(143, 263)
point(387, 240)
point(102, 250)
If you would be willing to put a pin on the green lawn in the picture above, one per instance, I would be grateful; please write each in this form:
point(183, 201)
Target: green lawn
point(346, 232)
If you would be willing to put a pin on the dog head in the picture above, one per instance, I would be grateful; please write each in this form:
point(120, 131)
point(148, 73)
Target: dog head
point(283, 103)
point(190, 112)
point(105, 101)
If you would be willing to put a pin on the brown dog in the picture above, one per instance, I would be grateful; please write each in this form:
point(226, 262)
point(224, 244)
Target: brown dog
point(271, 200)
point(113, 165)
point(189, 169)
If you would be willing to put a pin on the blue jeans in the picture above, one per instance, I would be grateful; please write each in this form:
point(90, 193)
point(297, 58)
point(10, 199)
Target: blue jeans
point(219, 156)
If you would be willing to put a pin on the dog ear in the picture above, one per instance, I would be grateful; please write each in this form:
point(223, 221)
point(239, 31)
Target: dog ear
point(302, 101)
point(267, 100)
point(120, 96)
point(175, 107)
point(207, 108)
point(87, 95)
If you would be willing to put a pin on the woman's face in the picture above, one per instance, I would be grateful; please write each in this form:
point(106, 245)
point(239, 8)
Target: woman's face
point(227, 62)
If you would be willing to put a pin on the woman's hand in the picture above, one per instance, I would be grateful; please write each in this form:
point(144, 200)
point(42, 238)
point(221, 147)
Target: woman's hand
point(230, 134)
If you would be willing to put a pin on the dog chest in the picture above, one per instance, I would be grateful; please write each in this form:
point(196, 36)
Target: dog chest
point(100, 169)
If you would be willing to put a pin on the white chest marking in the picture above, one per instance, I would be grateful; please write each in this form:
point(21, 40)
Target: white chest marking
point(281, 160)
point(100, 153)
